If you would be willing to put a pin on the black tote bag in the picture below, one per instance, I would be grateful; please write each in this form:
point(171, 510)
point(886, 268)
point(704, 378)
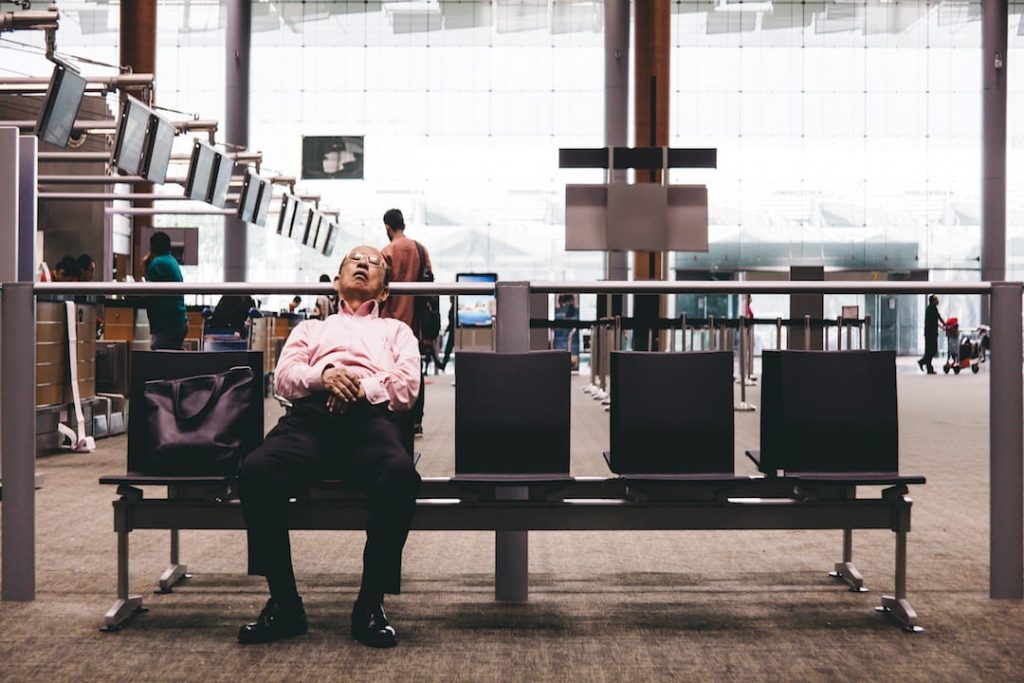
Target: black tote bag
point(200, 425)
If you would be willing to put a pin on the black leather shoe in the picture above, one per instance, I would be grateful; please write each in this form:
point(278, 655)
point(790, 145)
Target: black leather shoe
point(275, 622)
point(920, 364)
point(370, 626)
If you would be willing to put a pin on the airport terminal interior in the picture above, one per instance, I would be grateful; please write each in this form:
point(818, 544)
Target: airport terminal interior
point(720, 294)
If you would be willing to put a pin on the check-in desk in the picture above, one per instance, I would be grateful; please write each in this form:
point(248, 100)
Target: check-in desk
point(54, 394)
point(269, 334)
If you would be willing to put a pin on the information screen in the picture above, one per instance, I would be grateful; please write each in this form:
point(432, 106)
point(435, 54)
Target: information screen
point(248, 204)
point(131, 137)
point(284, 221)
point(198, 184)
point(263, 207)
point(63, 98)
point(476, 310)
point(159, 141)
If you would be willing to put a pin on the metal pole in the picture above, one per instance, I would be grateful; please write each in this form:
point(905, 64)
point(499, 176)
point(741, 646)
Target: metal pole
point(682, 325)
point(743, 406)
point(9, 203)
point(778, 334)
point(994, 57)
point(28, 170)
point(616, 106)
point(18, 445)
point(511, 548)
point(236, 124)
point(807, 332)
point(1006, 445)
point(867, 333)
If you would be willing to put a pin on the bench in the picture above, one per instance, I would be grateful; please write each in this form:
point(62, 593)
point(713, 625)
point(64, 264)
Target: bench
point(512, 478)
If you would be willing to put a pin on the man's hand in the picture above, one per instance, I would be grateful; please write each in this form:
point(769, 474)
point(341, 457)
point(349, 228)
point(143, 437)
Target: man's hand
point(344, 389)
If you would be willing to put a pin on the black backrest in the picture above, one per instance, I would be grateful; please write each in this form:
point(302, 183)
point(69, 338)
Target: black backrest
point(150, 365)
point(829, 411)
point(512, 413)
point(672, 413)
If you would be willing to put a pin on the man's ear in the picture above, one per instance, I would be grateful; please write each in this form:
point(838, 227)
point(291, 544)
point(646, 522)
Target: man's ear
point(384, 293)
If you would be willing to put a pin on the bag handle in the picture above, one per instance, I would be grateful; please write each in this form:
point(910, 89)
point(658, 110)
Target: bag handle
point(179, 412)
point(215, 393)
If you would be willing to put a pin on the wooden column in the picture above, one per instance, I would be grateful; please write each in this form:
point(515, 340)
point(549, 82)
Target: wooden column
point(137, 38)
point(653, 41)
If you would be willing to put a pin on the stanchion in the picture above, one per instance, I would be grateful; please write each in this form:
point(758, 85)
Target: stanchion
point(682, 331)
point(865, 340)
point(807, 333)
point(712, 345)
point(743, 406)
point(778, 334)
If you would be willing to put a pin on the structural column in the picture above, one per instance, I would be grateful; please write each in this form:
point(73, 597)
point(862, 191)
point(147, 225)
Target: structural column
point(511, 548)
point(993, 133)
point(17, 440)
point(616, 105)
point(137, 38)
point(1006, 446)
point(236, 124)
point(653, 21)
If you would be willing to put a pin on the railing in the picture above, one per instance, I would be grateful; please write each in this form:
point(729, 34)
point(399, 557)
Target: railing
point(1006, 405)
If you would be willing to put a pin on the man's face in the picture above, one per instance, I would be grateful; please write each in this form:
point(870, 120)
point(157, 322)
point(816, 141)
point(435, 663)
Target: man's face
point(89, 272)
point(361, 277)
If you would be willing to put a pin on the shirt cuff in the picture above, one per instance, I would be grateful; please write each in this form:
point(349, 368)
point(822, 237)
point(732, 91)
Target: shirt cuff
point(374, 390)
point(315, 378)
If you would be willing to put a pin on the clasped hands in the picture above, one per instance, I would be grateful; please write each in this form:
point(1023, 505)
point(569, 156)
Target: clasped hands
point(343, 388)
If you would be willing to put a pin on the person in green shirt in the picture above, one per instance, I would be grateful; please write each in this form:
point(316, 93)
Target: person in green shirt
point(168, 323)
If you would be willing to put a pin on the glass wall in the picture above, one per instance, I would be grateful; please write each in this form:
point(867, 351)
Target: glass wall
point(848, 131)
point(848, 135)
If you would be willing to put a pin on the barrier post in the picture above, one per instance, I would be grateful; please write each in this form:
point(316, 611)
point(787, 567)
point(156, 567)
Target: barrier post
point(778, 334)
point(807, 333)
point(743, 406)
point(1006, 446)
point(682, 331)
point(865, 341)
point(511, 548)
point(18, 448)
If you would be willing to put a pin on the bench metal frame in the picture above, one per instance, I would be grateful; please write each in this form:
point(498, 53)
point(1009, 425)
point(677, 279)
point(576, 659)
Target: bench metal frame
point(589, 504)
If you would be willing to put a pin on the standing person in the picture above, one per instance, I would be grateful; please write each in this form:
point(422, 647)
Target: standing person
point(86, 268)
point(168, 323)
point(325, 305)
point(403, 257)
point(449, 342)
point(932, 322)
point(346, 377)
point(67, 270)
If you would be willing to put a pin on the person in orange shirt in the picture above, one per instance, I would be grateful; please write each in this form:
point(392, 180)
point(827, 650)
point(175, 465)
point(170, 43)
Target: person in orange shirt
point(403, 257)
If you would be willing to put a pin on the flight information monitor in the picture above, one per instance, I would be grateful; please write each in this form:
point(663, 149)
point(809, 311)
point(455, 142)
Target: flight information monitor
point(60, 107)
point(222, 168)
point(130, 144)
point(263, 204)
point(476, 310)
point(200, 170)
point(159, 141)
point(248, 203)
point(284, 220)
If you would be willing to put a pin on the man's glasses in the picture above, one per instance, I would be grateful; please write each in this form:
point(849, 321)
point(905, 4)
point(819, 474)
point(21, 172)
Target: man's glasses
point(371, 259)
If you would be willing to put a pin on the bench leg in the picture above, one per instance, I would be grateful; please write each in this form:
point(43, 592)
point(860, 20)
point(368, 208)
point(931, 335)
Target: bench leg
point(846, 570)
point(511, 555)
point(126, 606)
point(175, 572)
point(897, 606)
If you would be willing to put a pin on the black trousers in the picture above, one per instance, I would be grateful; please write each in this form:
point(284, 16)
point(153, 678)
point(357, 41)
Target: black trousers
point(931, 349)
point(363, 446)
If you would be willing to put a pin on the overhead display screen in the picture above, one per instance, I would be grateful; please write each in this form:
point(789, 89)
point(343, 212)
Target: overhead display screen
point(60, 107)
point(131, 136)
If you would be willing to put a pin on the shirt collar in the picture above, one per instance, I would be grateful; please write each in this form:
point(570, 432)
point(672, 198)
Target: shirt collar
point(368, 309)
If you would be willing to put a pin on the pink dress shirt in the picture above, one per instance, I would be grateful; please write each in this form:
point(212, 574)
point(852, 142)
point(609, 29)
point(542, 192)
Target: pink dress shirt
point(382, 352)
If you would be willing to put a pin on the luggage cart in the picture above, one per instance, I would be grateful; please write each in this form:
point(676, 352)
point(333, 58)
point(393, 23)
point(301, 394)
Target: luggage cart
point(967, 350)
